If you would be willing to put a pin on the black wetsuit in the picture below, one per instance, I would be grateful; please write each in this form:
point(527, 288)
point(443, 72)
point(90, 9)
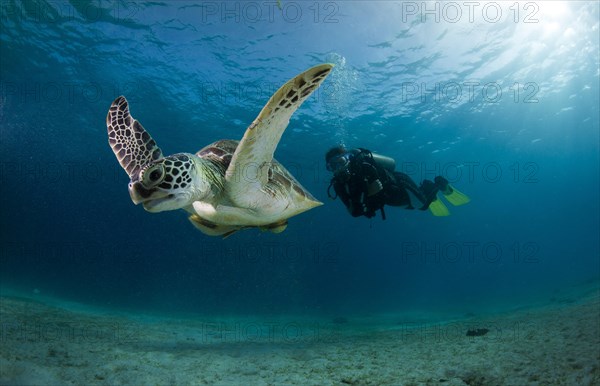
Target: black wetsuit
point(397, 189)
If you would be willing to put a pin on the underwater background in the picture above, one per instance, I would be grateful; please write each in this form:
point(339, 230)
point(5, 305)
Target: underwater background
point(501, 98)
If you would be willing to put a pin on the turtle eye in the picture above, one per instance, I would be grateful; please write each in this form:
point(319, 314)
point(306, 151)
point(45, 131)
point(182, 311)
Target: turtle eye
point(154, 175)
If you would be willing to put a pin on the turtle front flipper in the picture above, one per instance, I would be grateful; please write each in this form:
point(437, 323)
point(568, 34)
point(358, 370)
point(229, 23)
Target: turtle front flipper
point(248, 170)
point(131, 143)
point(211, 229)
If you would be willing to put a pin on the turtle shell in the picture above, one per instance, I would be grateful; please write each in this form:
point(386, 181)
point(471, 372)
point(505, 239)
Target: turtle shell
point(280, 179)
point(219, 152)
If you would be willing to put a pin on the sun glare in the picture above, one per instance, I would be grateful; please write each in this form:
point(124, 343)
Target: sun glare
point(553, 16)
point(552, 9)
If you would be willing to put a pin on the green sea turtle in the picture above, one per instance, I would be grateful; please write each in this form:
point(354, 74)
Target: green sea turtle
point(228, 185)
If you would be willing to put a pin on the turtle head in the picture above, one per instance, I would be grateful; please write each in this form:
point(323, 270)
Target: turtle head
point(167, 184)
point(159, 183)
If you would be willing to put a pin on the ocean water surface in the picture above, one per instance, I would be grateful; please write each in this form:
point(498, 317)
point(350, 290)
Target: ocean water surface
point(502, 98)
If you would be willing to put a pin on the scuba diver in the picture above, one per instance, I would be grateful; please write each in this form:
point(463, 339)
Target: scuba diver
point(366, 182)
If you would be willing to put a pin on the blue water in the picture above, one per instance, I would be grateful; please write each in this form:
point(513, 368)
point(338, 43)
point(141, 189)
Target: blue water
point(504, 103)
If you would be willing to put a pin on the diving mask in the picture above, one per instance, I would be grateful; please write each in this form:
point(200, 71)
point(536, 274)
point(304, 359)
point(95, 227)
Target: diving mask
point(338, 163)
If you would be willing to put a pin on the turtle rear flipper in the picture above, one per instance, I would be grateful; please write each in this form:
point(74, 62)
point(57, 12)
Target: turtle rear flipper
point(131, 143)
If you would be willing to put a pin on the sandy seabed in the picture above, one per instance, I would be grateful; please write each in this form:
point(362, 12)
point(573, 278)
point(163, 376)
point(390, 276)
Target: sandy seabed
point(51, 344)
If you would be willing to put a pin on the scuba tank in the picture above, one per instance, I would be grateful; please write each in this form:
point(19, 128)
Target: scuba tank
point(383, 161)
point(387, 163)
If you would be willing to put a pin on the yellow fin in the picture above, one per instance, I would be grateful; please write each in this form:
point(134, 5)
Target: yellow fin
point(438, 208)
point(455, 197)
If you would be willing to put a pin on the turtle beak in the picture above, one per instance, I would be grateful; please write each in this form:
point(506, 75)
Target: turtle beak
point(151, 199)
point(138, 193)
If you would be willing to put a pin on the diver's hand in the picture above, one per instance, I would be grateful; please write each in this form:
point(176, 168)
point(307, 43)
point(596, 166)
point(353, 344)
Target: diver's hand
point(374, 188)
